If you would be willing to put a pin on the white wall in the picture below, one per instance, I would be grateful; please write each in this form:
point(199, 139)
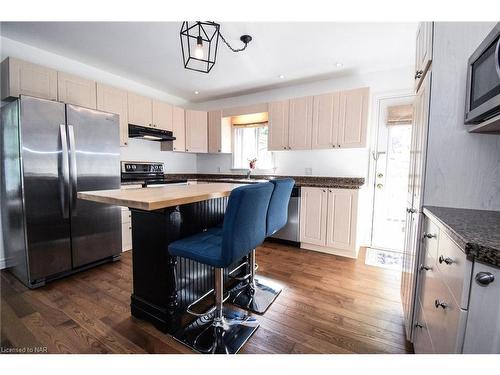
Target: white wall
point(463, 169)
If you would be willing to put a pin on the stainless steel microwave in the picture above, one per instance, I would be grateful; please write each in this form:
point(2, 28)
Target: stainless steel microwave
point(483, 80)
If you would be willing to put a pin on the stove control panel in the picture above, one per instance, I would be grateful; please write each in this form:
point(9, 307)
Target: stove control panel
point(142, 167)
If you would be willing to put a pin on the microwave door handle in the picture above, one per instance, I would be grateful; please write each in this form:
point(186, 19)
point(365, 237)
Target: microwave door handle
point(65, 171)
point(497, 57)
point(73, 170)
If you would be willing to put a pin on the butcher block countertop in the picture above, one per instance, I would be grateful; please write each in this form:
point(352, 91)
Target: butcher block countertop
point(159, 197)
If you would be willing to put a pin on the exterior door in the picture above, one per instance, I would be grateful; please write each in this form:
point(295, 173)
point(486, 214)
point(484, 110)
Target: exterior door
point(341, 220)
point(45, 193)
point(353, 117)
point(300, 123)
point(94, 141)
point(325, 125)
point(313, 209)
point(278, 126)
point(392, 160)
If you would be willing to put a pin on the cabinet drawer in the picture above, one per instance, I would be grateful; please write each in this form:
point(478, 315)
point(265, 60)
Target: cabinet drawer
point(422, 342)
point(443, 323)
point(455, 270)
point(431, 235)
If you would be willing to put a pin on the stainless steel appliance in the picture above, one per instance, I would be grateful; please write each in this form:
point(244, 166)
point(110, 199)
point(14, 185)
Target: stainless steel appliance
point(483, 80)
point(290, 232)
point(151, 134)
point(49, 152)
point(147, 174)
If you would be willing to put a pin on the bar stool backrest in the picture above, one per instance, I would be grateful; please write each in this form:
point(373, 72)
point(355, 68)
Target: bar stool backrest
point(244, 225)
point(277, 214)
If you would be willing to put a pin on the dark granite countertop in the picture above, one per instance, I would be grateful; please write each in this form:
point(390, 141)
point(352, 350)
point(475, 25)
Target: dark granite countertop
point(477, 232)
point(308, 181)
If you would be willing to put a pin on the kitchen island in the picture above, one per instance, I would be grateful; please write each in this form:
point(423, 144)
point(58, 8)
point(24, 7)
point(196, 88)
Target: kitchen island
point(163, 285)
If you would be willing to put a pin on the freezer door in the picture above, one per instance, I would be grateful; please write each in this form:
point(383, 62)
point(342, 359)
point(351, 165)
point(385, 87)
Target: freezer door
point(94, 143)
point(45, 194)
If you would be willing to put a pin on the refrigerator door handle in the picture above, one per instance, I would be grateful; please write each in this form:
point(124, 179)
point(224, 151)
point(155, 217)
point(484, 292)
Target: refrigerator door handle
point(65, 171)
point(73, 170)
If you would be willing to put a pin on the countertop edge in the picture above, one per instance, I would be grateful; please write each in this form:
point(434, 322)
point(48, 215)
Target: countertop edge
point(474, 251)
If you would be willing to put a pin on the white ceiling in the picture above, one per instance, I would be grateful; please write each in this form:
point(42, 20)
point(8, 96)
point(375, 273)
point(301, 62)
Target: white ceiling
point(150, 52)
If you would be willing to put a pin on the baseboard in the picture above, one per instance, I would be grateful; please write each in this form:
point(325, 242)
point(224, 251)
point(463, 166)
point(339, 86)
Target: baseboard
point(329, 250)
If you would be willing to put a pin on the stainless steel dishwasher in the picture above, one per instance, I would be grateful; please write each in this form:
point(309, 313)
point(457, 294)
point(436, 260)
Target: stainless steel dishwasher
point(290, 232)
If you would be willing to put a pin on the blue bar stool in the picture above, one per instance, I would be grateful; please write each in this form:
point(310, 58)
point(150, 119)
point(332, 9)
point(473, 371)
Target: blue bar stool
point(253, 294)
point(221, 330)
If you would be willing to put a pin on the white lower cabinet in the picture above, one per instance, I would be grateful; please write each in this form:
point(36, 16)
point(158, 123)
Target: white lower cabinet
point(328, 220)
point(126, 229)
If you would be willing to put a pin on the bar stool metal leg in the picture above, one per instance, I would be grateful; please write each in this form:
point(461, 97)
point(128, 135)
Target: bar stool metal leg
point(255, 294)
point(222, 331)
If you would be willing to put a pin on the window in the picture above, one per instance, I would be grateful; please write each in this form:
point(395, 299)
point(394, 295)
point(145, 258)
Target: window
point(251, 142)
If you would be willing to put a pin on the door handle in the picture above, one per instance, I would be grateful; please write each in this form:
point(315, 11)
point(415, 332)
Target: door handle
point(73, 170)
point(497, 57)
point(65, 172)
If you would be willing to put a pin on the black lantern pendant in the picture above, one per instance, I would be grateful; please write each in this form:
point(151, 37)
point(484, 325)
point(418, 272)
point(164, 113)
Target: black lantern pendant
point(199, 42)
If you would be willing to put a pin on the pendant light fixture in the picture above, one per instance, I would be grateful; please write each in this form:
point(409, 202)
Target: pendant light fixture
point(199, 43)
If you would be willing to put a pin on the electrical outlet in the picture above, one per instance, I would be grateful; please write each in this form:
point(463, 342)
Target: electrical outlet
point(308, 171)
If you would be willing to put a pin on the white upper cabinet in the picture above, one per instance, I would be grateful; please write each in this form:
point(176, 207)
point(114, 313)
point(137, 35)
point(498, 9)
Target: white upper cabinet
point(353, 121)
point(423, 53)
point(140, 110)
point(219, 133)
point(113, 100)
point(325, 125)
point(23, 78)
point(278, 125)
point(196, 131)
point(75, 90)
point(162, 115)
point(300, 123)
point(179, 129)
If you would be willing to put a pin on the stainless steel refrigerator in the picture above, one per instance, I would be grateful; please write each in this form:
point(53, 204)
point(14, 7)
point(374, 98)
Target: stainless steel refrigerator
point(49, 152)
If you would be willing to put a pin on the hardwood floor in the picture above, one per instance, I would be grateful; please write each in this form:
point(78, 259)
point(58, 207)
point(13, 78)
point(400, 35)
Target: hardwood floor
point(329, 305)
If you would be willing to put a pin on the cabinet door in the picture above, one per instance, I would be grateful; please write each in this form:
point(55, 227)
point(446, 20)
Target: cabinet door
point(482, 334)
point(423, 52)
point(140, 110)
point(313, 213)
point(215, 131)
point(325, 125)
point(23, 78)
point(278, 126)
point(300, 123)
point(353, 118)
point(196, 131)
point(179, 129)
point(162, 115)
point(75, 90)
point(113, 100)
point(422, 342)
point(341, 220)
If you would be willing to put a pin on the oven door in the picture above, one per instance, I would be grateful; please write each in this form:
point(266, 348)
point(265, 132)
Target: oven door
point(483, 80)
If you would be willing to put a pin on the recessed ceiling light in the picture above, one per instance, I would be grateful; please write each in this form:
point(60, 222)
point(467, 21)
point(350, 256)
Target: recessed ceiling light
point(196, 92)
point(282, 76)
point(339, 65)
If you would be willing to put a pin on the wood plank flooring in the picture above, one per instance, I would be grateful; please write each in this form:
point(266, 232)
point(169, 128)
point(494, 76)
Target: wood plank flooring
point(330, 304)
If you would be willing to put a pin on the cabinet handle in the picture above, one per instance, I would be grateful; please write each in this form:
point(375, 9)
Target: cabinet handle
point(338, 145)
point(284, 147)
point(438, 304)
point(324, 190)
point(218, 150)
point(429, 235)
point(425, 268)
point(333, 146)
point(485, 278)
point(446, 260)
point(130, 228)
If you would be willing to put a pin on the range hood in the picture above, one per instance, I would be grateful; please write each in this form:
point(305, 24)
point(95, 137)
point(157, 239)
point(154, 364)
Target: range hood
point(150, 134)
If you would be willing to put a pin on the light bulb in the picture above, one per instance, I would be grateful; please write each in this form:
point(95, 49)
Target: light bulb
point(198, 51)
